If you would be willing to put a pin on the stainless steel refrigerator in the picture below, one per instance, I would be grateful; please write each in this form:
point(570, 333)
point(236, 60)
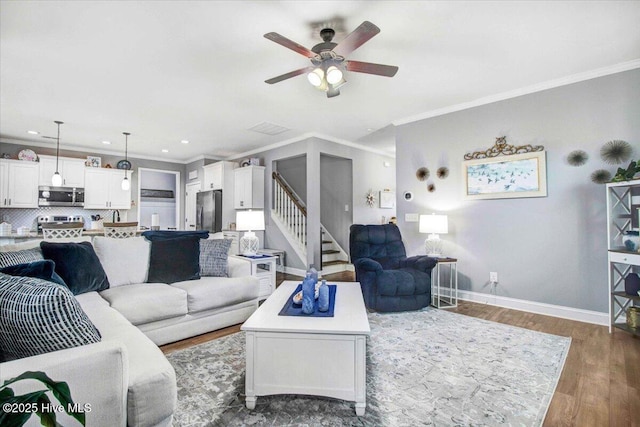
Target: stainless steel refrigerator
point(209, 211)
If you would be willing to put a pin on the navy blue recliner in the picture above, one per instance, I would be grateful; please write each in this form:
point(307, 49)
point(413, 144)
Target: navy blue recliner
point(389, 280)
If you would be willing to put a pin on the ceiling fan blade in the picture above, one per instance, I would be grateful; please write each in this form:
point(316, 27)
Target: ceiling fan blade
point(356, 38)
point(281, 40)
point(288, 75)
point(370, 68)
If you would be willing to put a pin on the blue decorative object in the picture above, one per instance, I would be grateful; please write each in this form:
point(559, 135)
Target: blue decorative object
point(308, 294)
point(314, 274)
point(292, 309)
point(631, 240)
point(632, 284)
point(323, 297)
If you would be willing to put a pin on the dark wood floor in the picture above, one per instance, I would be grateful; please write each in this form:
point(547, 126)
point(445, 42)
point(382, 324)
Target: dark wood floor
point(600, 383)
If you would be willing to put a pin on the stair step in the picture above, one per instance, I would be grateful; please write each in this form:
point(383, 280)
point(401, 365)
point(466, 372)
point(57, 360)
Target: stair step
point(337, 262)
point(326, 242)
point(330, 251)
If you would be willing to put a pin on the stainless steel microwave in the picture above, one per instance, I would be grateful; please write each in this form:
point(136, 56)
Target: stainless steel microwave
point(60, 196)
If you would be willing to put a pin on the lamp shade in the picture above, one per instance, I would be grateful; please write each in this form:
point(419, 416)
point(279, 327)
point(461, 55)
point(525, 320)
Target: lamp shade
point(434, 224)
point(249, 220)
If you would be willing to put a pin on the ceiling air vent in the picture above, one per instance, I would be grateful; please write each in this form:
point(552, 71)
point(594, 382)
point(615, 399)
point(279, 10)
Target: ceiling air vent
point(269, 128)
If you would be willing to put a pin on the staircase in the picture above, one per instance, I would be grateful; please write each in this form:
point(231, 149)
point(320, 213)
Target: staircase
point(290, 215)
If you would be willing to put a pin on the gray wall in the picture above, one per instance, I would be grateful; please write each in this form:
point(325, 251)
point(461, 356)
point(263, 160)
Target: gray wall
point(369, 173)
point(548, 250)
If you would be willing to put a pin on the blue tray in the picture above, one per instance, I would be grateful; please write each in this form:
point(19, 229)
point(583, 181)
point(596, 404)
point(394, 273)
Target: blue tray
point(292, 309)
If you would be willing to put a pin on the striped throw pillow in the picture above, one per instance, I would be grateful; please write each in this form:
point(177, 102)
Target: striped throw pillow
point(20, 257)
point(37, 316)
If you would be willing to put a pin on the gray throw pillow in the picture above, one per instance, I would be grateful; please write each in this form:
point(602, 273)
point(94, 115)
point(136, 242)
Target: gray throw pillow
point(213, 257)
point(37, 316)
point(20, 257)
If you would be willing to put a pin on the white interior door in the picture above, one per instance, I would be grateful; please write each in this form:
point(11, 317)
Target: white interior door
point(190, 205)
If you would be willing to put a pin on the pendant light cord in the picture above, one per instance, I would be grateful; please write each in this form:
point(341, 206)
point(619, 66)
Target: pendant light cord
point(58, 144)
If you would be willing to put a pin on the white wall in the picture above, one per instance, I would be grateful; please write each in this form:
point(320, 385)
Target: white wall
point(548, 250)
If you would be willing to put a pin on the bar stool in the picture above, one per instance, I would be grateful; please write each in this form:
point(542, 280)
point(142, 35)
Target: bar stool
point(120, 230)
point(62, 231)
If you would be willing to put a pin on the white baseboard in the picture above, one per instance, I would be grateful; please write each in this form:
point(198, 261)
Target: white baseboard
point(570, 313)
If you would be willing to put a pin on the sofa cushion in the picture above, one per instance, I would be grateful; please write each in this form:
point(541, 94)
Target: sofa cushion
point(125, 261)
point(214, 292)
point(147, 302)
point(213, 257)
point(20, 257)
point(152, 390)
point(78, 265)
point(37, 316)
point(174, 260)
point(44, 269)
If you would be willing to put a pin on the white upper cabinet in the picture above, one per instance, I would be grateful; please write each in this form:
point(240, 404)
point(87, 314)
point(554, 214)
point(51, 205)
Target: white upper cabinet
point(71, 170)
point(18, 184)
point(103, 189)
point(249, 187)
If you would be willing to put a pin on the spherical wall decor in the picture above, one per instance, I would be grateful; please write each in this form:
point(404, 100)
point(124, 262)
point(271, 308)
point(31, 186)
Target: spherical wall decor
point(442, 172)
point(422, 174)
point(616, 152)
point(601, 176)
point(577, 158)
point(408, 196)
point(431, 188)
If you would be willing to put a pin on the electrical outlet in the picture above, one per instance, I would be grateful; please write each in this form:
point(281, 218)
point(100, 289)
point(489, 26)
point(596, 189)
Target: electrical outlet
point(493, 277)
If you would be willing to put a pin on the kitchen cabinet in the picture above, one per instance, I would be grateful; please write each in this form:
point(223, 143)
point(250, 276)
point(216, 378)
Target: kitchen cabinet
point(18, 184)
point(249, 187)
point(219, 176)
point(71, 170)
point(103, 189)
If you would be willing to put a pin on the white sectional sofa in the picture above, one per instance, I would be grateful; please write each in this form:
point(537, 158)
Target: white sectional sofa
point(125, 377)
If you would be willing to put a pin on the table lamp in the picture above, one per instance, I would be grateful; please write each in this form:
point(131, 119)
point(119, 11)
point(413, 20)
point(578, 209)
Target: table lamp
point(434, 225)
point(249, 221)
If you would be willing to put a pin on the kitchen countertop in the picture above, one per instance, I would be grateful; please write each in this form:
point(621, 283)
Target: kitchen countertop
point(34, 236)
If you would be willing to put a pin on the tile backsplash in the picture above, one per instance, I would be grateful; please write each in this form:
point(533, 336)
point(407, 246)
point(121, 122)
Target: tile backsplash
point(25, 217)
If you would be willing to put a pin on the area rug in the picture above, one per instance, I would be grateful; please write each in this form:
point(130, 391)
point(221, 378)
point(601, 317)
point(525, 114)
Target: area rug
point(430, 367)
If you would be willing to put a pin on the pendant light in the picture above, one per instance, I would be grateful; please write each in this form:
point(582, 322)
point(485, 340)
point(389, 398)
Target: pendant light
point(126, 185)
point(56, 179)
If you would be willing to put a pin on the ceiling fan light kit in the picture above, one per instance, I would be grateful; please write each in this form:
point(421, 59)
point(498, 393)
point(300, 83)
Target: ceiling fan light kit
point(328, 59)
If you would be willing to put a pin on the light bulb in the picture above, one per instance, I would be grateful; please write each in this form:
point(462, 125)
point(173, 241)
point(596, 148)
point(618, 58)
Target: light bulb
point(334, 75)
point(56, 179)
point(315, 77)
point(125, 184)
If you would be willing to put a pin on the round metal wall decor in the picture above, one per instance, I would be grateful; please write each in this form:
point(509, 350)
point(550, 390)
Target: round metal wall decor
point(601, 176)
point(616, 151)
point(408, 196)
point(422, 174)
point(577, 158)
point(431, 188)
point(442, 172)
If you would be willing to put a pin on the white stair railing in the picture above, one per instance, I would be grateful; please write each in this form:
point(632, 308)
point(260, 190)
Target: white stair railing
point(290, 210)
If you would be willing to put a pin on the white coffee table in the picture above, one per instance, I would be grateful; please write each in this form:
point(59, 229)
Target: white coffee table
point(321, 356)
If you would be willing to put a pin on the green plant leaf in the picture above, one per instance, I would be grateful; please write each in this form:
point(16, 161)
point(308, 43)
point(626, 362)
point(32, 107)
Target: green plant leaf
point(60, 390)
point(15, 419)
point(47, 419)
point(5, 394)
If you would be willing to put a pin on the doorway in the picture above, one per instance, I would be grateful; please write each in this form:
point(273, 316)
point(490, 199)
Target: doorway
point(190, 205)
point(159, 199)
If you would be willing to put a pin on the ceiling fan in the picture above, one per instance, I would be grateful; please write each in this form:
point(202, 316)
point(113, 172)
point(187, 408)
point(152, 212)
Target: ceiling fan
point(329, 61)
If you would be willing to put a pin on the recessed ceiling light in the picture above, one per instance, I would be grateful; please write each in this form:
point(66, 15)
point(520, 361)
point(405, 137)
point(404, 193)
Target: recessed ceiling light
point(164, 150)
point(185, 141)
point(106, 142)
point(33, 132)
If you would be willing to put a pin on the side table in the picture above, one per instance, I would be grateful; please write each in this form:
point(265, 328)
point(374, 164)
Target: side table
point(444, 295)
point(264, 268)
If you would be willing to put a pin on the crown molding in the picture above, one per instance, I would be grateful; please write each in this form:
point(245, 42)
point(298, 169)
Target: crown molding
point(305, 136)
point(564, 81)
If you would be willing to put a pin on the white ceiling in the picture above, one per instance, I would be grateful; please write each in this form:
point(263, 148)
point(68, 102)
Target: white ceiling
point(172, 70)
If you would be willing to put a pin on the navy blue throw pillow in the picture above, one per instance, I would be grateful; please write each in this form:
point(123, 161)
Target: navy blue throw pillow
point(174, 259)
point(44, 269)
point(78, 265)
